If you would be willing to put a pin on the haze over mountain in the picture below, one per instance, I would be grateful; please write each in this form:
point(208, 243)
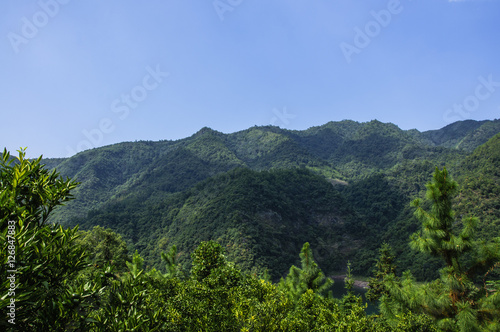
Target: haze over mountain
point(345, 187)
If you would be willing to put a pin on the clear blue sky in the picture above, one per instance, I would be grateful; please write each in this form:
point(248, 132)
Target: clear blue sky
point(79, 74)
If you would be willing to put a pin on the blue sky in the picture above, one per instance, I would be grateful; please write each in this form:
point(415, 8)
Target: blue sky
point(81, 74)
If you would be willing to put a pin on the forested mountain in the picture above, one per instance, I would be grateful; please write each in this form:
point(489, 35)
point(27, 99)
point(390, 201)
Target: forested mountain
point(344, 187)
point(479, 175)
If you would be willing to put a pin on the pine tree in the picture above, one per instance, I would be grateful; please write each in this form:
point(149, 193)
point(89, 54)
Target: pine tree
point(454, 301)
point(437, 237)
point(309, 276)
point(174, 269)
point(350, 300)
point(383, 267)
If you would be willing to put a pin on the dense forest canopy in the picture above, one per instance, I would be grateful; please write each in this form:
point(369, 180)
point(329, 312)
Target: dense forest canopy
point(63, 279)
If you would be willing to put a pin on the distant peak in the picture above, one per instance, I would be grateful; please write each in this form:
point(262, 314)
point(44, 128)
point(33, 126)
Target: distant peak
point(205, 131)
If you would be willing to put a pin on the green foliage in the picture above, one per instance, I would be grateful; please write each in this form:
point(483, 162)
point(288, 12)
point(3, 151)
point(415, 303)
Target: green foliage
point(174, 269)
point(71, 280)
point(130, 303)
point(104, 247)
point(315, 313)
point(383, 267)
point(29, 192)
point(466, 135)
point(67, 283)
point(160, 194)
point(308, 277)
point(46, 259)
point(256, 216)
point(437, 236)
point(454, 301)
point(41, 260)
point(206, 258)
point(348, 280)
point(480, 194)
point(407, 321)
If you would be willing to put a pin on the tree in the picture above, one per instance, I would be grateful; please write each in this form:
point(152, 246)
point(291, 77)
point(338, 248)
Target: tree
point(383, 267)
point(437, 237)
point(206, 258)
point(173, 267)
point(309, 276)
point(40, 259)
point(350, 301)
point(454, 301)
point(105, 247)
point(29, 192)
point(133, 302)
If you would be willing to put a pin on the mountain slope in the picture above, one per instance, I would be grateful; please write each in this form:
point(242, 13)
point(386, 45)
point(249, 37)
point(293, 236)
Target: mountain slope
point(480, 187)
point(263, 219)
point(337, 150)
point(465, 135)
point(347, 189)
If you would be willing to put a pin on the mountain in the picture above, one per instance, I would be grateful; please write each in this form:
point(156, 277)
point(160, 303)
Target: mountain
point(262, 218)
point(465, 135)
point(262, 192)
point(480, 179)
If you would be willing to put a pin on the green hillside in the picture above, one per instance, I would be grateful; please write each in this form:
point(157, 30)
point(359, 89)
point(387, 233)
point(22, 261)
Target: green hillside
point(66, 279)
point(261, 217)
point(465, 135)
point(480, 179)
point(344, 187)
